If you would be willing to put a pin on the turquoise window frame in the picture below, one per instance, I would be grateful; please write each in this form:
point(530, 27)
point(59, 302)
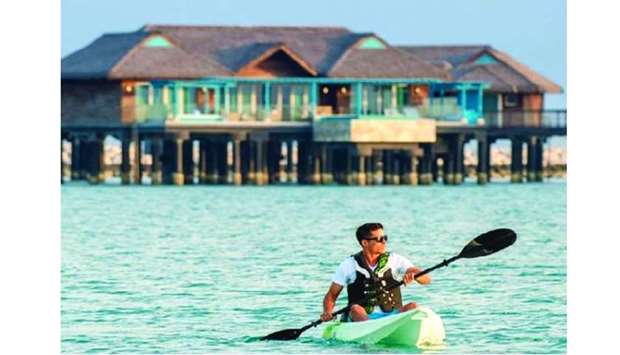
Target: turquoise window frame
point(142, 94)
point(189, 100)
point(158, 94)
point(232, 99)
point(172, 96)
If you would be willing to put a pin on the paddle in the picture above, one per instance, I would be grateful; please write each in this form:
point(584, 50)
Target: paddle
point(483, 245)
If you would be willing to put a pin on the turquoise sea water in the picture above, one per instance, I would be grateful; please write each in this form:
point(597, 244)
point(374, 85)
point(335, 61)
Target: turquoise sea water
point(209, 269)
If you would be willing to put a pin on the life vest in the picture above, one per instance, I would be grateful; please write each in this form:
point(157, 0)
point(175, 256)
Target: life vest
point(369, 288)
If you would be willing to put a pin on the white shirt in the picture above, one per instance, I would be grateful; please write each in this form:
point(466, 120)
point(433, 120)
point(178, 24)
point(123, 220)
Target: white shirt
point(345, 274)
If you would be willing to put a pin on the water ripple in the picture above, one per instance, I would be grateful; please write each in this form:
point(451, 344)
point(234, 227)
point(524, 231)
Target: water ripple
point(211, 269)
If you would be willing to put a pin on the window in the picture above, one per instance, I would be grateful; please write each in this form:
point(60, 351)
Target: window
point(142, 94)
point(158, 94)
point(191, 96)
point(172, 96)
point(512, 100)
point(232, 99)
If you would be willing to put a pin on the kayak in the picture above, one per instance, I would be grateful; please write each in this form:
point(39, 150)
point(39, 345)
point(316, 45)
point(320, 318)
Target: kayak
point(418, 327)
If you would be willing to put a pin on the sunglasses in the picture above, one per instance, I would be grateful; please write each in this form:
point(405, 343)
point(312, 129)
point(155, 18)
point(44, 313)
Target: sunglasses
point(382, 239)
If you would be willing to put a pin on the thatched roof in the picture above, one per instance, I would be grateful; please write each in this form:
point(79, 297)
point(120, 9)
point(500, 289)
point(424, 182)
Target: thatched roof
point(505, 75)
point(389, 62)
point(200, 51)
point(98, 58)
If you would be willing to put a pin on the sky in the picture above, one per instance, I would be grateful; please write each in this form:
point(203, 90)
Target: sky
point(532, 31)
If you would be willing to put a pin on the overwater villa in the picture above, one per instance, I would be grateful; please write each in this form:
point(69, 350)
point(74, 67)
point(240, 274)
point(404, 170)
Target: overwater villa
point(319, 105)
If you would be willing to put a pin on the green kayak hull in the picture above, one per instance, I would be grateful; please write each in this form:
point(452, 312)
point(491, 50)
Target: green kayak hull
point(418, 327)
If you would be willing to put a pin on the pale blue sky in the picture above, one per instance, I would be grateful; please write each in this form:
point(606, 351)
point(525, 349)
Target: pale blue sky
point(532, 31)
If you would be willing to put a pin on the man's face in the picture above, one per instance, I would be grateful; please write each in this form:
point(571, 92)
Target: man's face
point(373, 245)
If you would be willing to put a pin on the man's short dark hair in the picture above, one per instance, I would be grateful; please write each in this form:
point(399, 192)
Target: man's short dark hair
point(364, 231)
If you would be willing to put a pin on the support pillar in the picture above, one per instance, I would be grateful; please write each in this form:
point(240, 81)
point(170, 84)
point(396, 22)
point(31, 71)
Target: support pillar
point(435, 169)
point(448, 167)
point(156, 153)
point(338, 162)
point(125, 162)
point(426, 177)
point(95, 173)
point(137, 157)
point(396, 168)
point(361, 170)
point(223, 166)
point(188, 162)
point(202, 164)
point(304, 156)
point(283, 163)
point(483, 160)
point(147, 150)
point(532, 158)
point(315, 164)
point(248, 161)
point(489, 161)
point(178, 177)
point(349, 175)
point(411, 169)
point(516, 164)
point(387, 167)
point(539, 160)
point(291, 166)
point(274, 157)
point(85, 158)
point(62, 162)
point(259, 174)
point(236, 161)
point(458, 159)
point(370, 176)
point(100, 172)
point(327, 176)
point(213, 158)
point(378, 167)
point(169, 160)
point(76, 173)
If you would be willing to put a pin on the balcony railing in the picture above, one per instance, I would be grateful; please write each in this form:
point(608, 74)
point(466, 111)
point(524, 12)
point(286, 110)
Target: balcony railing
point(526, 118)
point(152, 113)
point(301, 99)
point(159, 113)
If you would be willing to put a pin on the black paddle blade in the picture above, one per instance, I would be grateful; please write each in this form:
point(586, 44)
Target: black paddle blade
point(489, 243)
point(286, 334)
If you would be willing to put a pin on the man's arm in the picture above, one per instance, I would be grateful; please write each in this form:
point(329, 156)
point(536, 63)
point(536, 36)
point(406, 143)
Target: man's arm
point(329, 301)
point(410, 273)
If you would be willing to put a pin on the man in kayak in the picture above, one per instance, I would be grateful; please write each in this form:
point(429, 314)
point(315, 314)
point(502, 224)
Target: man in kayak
point(368, 275)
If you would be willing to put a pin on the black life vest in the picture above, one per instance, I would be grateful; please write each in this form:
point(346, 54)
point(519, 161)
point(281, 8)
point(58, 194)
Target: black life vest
point(371, 285)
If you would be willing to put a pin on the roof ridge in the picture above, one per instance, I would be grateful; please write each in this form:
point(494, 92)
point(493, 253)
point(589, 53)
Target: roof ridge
point(151, 27)
point(421, 61)
point(443, 46)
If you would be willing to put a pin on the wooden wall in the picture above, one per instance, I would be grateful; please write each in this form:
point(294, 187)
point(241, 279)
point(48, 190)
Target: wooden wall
point(90, 103)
